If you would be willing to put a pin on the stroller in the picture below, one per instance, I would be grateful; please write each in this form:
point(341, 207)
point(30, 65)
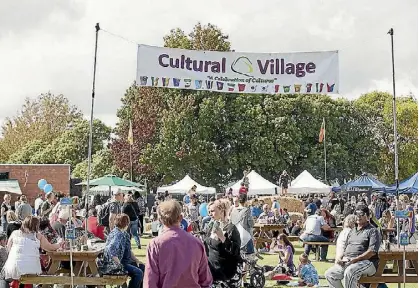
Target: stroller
point(256, 272)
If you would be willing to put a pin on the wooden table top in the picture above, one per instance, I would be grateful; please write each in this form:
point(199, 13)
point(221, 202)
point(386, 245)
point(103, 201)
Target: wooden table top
point(92, 252)
point(75, 252)
point(396, 250)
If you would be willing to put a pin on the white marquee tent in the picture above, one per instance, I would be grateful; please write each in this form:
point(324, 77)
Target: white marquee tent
point(257, 185)
point(305, 183)
point(184, 185)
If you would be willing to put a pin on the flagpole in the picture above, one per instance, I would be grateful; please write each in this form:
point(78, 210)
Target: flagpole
point(130, 142)
point(324, 145)
point(130, 161)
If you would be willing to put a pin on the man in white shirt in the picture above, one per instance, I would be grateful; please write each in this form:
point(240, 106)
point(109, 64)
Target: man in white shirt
point(312, 233)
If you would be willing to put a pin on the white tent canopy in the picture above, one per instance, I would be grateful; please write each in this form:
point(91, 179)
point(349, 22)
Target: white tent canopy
point(184, 185)
point(305, 183)
point(257, 185)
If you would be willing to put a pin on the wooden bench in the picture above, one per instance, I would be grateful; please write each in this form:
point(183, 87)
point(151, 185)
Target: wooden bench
point(260, 241)
point(66, 280)
point(317, 245)
point(388, 278)
point(293, 238)
point(394, 275)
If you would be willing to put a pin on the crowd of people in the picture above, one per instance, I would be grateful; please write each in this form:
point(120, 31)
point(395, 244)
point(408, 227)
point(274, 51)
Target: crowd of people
point(216, 241)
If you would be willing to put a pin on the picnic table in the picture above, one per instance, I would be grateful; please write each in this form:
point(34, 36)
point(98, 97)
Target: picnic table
point(394, 273)
point(262, 232)
point(81, 260)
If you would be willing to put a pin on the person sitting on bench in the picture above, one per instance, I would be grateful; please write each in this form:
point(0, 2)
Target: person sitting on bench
point(312, 233)
point(360, 256)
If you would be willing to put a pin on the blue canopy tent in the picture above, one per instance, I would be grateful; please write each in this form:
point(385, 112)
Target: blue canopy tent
point(365, 182)
point(407, 186)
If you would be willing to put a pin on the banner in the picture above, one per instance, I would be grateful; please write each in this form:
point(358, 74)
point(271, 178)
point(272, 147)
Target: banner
point(233, 72)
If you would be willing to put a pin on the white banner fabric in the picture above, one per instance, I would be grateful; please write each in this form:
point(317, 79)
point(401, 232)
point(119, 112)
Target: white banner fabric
point(234, 72)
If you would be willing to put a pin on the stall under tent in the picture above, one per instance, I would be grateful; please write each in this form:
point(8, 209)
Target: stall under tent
point(257, 185)
point(305, 183)
point(184, 185)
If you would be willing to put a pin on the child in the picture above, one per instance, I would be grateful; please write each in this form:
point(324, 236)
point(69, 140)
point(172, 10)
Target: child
point(307, 273)
point(155, 225)
point(287, 252)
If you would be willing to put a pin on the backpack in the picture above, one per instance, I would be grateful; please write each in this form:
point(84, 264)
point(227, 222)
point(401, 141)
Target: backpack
point(103, 215)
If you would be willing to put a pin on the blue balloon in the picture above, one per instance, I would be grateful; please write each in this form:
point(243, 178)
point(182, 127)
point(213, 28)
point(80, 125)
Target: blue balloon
point(48, 188)
point(42, 183)
point(203, 211)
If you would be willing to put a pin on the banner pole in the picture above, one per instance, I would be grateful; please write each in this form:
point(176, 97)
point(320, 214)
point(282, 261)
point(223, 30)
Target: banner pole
point(89, 157)
point(396, 156)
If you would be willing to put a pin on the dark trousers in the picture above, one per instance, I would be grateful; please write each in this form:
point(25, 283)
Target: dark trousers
point(136, 273)
point(141, 220)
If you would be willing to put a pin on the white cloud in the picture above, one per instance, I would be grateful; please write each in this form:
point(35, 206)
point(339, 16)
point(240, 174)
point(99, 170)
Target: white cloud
point(48, 46)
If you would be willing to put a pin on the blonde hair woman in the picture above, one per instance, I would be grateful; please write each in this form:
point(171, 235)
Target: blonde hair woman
point(348, 225)
point(13, 223)
point(223, 243)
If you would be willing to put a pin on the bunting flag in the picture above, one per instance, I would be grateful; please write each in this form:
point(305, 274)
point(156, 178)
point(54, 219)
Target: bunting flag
point(322, 131)
point(130, 136)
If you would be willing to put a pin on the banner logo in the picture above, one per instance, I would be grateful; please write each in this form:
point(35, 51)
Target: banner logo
point(242, 66)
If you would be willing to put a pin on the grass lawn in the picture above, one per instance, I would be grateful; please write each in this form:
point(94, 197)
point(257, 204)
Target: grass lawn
point(273, 259)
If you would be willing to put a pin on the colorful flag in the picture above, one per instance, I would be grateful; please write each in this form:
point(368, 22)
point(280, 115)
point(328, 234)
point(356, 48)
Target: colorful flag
point(322, 131)
point(130, 136)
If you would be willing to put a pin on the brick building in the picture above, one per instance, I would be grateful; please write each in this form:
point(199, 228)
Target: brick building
point(17, 179)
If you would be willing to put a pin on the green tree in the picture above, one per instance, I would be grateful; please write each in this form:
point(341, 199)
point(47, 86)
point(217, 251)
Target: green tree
point(378, 109)
point(25, 154)
point(42, 119)
point(72, 146)
point(208, 37)
point(102, 164)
